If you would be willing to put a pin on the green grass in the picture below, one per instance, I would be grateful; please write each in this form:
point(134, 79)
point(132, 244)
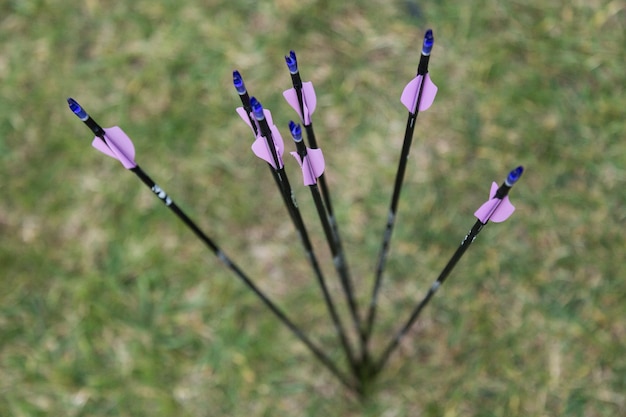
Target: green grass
point(110, 307)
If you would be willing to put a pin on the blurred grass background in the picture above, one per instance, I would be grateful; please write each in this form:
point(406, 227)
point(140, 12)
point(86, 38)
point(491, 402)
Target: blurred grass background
point(110, 307)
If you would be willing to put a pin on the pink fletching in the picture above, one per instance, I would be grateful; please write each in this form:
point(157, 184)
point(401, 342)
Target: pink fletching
point(411, 93)
point(495, 209)
point(118, 145)
point(278, 140)
point(310, 98)
point(262, 150)
point(309, 101)
point(242, 113)
point(292, 98)
point(313, 165)
point(244, 116)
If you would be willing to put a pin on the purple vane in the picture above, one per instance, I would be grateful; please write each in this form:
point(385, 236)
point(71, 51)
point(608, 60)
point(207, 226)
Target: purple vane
point(309, 101)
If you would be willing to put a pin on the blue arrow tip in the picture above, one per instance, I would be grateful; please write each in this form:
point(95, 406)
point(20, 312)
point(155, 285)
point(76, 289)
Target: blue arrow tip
point(292, 62)
point(429, 40)
point(514, 176)
point(238, 83)
point(77, 109)
point(257, 109)
point(296, 131)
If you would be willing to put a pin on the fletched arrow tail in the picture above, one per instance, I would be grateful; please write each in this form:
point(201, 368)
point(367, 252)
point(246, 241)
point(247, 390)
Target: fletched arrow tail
point(312, 165)
point(410, 94)
point(260, 146)
point(118, 145)
point(262, 150)
point(309, 101)
point(497, 210)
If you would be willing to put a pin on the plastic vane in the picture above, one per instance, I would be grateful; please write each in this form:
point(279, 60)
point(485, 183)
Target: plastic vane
point(111, 141)
point(411, 93)
point(499, 208)
point(261, 147)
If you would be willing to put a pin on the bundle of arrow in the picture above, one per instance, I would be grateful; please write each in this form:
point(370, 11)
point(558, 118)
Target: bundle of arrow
point(418, 95)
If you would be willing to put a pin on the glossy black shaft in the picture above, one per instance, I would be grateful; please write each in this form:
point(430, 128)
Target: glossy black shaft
point(469, 238)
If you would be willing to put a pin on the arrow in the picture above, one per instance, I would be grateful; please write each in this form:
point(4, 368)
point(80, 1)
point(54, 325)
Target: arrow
point(244, 112)
point(303, 100)
point(418, 95)
point(312, 167)
point(116, 144)
point(420, 89)
point(497, 209)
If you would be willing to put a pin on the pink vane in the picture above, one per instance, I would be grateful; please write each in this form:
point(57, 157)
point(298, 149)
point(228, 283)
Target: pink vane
point(117, 145)
point(308, 98)
point(497, 210)
point(313, 165)
point(411, 93)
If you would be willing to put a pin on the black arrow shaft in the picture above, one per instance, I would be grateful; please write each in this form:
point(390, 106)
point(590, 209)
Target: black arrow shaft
point(465, 244)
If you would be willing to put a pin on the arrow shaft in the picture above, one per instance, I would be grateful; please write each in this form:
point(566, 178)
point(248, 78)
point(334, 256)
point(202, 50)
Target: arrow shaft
point(465, 244)
point(245, 102)
point(332, 240)
point(328, 206)
point(296, 81)
point(329, 216)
